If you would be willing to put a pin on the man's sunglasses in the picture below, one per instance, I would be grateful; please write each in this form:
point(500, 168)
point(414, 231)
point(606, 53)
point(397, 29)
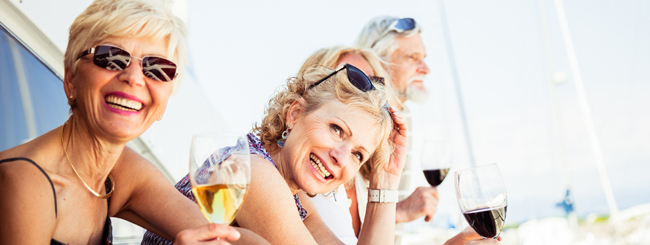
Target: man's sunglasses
point(399, 26)
point(356, 77)
point(117, 59)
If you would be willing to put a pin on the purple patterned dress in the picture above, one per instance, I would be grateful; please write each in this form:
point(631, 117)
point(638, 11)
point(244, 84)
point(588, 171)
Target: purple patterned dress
point(185, 187)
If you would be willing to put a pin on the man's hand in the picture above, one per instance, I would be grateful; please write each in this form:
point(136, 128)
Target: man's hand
point(422, 202)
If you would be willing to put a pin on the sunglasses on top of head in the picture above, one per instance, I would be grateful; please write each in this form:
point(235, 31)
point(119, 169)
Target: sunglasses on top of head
point(116, 59)
point(399, 26)
point(357, 77)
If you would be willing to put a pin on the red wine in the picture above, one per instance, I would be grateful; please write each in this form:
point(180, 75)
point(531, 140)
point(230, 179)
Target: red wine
point(435, 176)
point(487, 222)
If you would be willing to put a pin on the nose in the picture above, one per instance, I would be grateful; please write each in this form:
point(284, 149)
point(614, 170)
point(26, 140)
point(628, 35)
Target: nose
point(423, 68)
point(341, 155)
point(133, 75)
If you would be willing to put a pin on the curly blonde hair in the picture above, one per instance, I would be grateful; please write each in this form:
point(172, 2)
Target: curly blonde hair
point(329, 57)
point(337, 87)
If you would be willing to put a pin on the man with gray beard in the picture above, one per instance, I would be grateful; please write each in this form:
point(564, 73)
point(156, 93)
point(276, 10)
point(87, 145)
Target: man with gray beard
point(398, 42)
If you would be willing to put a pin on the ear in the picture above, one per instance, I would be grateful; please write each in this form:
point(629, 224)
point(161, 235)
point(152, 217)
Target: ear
point(295, 111)
point(68, 85)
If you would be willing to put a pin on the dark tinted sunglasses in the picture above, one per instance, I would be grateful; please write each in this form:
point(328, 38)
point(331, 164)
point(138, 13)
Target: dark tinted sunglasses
point(399, 26)
point(117, 59)
point(355, 76)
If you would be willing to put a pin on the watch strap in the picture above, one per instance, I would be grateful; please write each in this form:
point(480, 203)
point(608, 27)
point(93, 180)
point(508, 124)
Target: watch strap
point(382, 196)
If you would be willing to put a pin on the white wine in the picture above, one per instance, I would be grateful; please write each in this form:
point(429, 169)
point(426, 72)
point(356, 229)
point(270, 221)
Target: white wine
point(219, 203)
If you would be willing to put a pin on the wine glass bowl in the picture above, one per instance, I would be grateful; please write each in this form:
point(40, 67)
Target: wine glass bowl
point(436, 160)
point(482, 198)
point(219, 174)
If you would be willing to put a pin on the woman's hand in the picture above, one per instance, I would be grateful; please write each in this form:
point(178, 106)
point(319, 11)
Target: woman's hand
point(387, 174)
point(207, 234)
point(470, 237)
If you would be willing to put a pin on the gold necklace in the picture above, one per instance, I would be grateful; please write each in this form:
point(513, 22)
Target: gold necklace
point(82, 181)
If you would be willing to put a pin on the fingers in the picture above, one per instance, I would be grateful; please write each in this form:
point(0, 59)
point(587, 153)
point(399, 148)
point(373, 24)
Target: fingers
point(428, 191)
point(208, 232)
point(469, 234)
point(399, 121)
point(422, 202)
point(488, 241)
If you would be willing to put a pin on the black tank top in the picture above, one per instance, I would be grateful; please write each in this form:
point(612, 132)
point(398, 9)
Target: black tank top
point(108, 233)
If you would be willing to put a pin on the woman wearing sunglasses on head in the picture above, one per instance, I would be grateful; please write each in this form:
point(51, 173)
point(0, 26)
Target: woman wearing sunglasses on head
point(121, 66)
point(337, 211)
point(316, 134)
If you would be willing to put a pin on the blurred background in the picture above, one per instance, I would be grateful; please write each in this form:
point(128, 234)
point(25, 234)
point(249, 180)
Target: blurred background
point(555, 92)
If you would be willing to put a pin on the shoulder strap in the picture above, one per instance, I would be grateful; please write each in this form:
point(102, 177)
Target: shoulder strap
point(43, 171)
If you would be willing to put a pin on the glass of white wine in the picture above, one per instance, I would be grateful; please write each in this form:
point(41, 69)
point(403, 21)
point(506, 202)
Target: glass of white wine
point(220, 171)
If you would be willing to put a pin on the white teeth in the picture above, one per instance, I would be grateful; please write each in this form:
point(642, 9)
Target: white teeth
point(315, 162)
point(123, 103)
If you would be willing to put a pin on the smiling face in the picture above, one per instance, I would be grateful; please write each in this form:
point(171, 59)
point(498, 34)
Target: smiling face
point(327, 146)
point(119, 105)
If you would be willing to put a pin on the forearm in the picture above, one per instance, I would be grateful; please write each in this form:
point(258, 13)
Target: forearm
point(379, 224)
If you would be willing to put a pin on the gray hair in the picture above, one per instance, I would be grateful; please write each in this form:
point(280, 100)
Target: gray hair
point(385, 46)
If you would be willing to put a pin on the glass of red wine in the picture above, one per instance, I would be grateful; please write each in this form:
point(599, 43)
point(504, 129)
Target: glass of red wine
point(436, 161)
point(482, 198)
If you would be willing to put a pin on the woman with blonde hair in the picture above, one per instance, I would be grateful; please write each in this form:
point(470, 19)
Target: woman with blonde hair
point(317, 132)
point(124, 58)
point(345, 207)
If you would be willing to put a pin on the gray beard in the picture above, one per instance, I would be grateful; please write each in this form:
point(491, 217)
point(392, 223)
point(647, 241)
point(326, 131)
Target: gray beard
point(414, 94)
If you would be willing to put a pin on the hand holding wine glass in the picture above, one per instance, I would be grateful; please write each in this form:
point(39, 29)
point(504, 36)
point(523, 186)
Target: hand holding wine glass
point(482, 198)
point(220, 174)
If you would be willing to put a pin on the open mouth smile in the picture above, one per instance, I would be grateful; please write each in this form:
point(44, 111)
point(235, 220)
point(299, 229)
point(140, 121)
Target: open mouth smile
point(320, 168)
point(122, 103)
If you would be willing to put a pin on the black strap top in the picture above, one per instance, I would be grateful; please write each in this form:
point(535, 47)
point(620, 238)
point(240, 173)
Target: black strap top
point(108, 233)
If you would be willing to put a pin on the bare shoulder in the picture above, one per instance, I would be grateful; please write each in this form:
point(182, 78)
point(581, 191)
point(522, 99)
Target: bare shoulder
point(269, 208)
point(28, 203)
point(266, 181)
point(134, 167)
point(131, 160)
point(134, 174)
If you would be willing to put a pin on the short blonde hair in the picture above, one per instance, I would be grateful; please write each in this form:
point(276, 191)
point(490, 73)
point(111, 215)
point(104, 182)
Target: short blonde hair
point(130, 19)
point(334, 88)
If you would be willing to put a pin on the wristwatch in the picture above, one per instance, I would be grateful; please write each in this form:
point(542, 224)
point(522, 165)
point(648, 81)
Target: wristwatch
point(382, 196)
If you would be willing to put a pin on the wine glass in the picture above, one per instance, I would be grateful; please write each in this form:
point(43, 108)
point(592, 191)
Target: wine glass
point(436, 161)
point(220, 171)
point(482, 198)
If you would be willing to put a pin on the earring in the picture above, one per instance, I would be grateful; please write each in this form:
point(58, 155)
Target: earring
point(159, 118)
point(70, 96)
point(285, 134)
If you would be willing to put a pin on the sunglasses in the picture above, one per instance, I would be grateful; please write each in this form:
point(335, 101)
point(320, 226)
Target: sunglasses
point(399, 26)
point(116, 59)
point(356, 77)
